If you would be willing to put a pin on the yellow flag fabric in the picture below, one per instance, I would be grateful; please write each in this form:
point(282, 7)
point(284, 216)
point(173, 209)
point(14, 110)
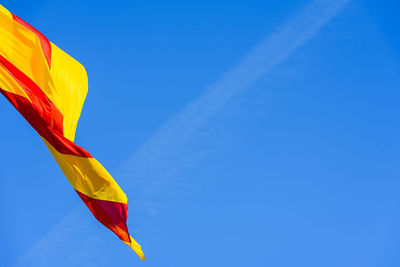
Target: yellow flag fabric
point(48, 87)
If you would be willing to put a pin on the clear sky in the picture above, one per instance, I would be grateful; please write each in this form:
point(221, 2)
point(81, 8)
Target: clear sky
point(245, 133)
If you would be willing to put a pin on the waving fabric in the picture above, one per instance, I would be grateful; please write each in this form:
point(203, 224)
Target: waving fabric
point(48, 88)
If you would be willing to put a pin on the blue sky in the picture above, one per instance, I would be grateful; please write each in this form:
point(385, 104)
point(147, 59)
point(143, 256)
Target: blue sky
point(296, 166)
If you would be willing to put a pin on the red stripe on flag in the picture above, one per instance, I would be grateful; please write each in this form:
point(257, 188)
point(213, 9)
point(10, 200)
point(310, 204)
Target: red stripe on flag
point(44, 42)
point(41, 113)
point(33, 114)
point(112, 215)
point(50, 114)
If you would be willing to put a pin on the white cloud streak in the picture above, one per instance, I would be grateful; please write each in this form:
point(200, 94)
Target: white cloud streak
point(153, 164)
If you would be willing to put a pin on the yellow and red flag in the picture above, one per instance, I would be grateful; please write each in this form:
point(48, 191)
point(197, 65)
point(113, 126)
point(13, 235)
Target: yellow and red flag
point(48, 88)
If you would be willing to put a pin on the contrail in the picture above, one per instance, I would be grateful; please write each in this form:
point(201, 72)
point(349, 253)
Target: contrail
point(153, 163)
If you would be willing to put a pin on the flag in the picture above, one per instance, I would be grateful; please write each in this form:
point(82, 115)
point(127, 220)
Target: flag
point(48, 88)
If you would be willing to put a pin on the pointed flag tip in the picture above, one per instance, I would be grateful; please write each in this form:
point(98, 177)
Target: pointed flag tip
point(136, 247)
